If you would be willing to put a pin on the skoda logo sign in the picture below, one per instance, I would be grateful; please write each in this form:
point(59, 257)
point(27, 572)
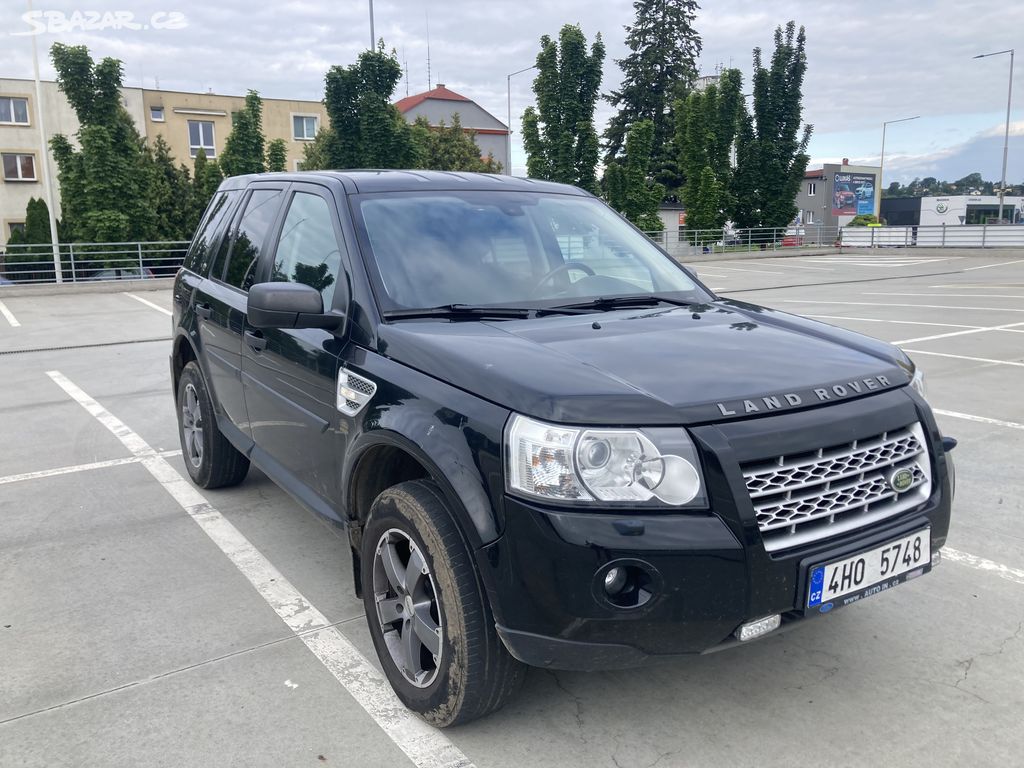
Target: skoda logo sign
point(901, 480)
point(941, 207)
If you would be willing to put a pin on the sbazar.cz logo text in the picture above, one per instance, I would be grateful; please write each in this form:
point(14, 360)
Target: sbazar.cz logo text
point(58, 22)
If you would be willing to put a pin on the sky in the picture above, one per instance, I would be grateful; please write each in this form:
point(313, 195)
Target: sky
point(868, 61)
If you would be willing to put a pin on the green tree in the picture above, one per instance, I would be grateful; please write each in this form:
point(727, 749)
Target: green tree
point(450, 148)
point(277, 155)
point(103, 181)
point(206, 177)
point(772, 148)
point(243, 148)
point(367, 131)
point(629, 189)
point(169, 192)
point(706, 213)
point(559, 136)
point(660, 69)
point(706, 129)
point(315, 154)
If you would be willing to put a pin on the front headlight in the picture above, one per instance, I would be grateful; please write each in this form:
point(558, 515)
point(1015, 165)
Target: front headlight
point(917, 382)
point(656, 466)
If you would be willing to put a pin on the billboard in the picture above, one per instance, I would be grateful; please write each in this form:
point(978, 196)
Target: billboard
point(853, 194)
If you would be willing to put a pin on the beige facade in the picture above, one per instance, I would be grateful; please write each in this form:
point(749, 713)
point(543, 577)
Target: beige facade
point(155, 113)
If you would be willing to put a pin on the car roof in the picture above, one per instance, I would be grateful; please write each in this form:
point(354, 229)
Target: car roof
point(360, 181)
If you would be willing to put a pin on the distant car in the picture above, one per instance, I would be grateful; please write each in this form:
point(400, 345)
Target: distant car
point(122, 273)
point(864, 191)
point(5, 281)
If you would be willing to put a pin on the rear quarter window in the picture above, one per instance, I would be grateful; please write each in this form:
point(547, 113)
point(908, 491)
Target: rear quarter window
point(210, 231)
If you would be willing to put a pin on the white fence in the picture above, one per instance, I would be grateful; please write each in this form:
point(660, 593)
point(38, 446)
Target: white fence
point(964, 236)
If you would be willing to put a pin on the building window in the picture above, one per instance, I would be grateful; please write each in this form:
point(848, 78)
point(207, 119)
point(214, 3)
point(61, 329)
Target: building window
point(304, 127)
point(809, 218)
point(811, 188)
point(19, 167)
point(200, 136)
point(15, 226)
point(13, 110)
point(298, 165)
point(156, 114)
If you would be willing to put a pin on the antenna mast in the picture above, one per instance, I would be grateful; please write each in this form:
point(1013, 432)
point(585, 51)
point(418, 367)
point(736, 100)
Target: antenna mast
point(428, 48)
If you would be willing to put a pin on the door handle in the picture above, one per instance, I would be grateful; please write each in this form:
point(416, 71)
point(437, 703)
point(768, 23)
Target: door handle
point(255, 340)
point(204, 311)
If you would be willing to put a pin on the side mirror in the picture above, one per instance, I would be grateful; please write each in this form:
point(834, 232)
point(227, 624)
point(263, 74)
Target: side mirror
point(288, 305)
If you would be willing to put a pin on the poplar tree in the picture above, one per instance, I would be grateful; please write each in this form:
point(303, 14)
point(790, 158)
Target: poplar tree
point(169, 190)
point(277, 155)
point(559, 135)
point(244, 146)
point(772, 145)
point(628, 186)
point(660, 69)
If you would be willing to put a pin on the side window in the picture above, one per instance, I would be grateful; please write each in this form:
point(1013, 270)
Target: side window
point(218, 212)
point(260, 211)
point(308, 250)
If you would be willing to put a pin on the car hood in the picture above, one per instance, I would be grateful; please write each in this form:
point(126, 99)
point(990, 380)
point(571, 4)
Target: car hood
point(729, 360)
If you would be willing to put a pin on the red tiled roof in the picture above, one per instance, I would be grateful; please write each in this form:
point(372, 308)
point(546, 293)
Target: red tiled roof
point(440, 92)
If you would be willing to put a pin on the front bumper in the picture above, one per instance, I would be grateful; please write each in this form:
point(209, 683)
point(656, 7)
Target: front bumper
point(709, 571)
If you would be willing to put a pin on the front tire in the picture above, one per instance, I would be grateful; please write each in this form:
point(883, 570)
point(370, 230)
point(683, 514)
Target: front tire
point(429, 619)
point(211, 460)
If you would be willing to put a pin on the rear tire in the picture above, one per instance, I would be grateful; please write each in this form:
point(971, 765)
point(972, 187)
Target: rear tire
point(211, 461)
point(473, 674)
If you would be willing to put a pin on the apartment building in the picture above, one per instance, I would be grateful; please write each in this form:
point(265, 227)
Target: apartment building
point(187, 122)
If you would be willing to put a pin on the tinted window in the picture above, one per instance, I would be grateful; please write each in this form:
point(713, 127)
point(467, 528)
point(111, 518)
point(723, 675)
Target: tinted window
point(217, 215)
point(308, 249)
point(251, 233)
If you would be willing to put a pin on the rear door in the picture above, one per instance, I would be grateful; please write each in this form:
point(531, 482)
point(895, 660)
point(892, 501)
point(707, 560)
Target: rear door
point(220, 303)
point(289, 375)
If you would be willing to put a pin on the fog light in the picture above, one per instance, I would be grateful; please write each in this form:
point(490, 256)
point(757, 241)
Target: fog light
point(615, 580)
point(753, 629)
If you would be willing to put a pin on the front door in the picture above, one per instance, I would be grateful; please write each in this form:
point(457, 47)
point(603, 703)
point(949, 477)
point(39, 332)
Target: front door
point(289, 375)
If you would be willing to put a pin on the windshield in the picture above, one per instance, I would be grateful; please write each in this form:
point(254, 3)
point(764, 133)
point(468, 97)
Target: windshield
point(510, 248)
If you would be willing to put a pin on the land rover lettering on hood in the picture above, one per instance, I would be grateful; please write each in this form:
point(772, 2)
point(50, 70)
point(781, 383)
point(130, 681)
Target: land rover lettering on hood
point(549, 443)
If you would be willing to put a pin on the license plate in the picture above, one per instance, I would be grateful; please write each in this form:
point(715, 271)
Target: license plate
point(866, 574)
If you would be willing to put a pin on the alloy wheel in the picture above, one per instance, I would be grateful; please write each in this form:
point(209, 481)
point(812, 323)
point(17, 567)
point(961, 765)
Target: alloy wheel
point(192, 426)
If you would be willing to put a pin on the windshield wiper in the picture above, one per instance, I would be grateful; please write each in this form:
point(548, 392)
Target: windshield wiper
point(475, 311)
point(638, 300)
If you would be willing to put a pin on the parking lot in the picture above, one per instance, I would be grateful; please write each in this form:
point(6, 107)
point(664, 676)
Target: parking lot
point(142, 623)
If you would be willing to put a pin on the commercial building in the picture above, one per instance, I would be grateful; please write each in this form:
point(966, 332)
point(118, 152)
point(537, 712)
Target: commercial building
point(440, 104)
point(952, 210)
point(186, 121)
point(832, 195)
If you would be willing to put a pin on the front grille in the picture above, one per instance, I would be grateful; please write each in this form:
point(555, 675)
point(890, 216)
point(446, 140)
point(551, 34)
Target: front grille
point(804, 497)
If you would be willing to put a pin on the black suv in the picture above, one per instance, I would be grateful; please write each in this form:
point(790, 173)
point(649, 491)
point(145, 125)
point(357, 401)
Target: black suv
point(549, 443)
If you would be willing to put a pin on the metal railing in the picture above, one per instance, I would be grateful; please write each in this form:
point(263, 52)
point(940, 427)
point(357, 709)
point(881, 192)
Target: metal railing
point(682, 243)
point(89, 262)
point(935, 236)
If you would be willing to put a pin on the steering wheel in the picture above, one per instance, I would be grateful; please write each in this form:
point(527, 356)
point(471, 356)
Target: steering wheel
point(565, 267)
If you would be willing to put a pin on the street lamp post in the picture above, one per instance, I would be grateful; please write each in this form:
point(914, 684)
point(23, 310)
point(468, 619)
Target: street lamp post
point(508, 90)
point(44, 161)
point(881, 164)
point(1006, 134)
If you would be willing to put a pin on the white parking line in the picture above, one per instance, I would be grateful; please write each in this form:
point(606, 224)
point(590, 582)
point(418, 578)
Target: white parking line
point(148, 303)
point(979, 419)
point(1002, 571)
point(9, 316)
point(884, 304)
point(740, 269)
point(979, 287)
point(78, 468)
point(949, 295)
point(966, 357)
point(989, 266)
point(424, 745)
point(976, 329)
point(797, 266)
point(898, 322)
